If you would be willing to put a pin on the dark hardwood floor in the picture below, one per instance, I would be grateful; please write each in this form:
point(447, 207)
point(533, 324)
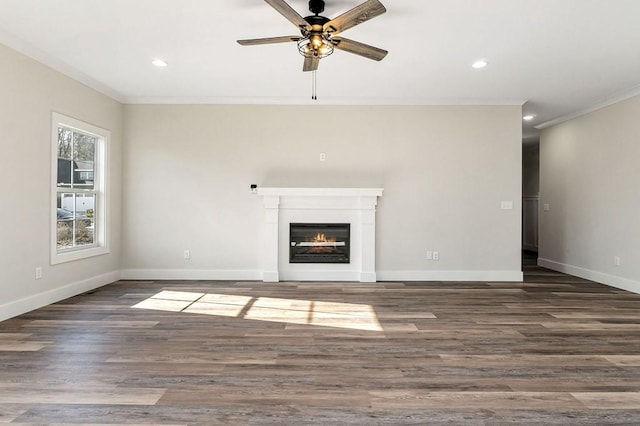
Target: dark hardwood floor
point(553, 350)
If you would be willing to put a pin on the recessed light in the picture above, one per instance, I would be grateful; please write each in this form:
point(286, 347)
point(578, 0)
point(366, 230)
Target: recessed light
point(159, 63)
point(528, 117)
point(480, 63)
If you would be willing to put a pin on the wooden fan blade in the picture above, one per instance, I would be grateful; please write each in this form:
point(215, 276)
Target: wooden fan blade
point(311, 64)
point(359, 14)
point(358, 48)
point(268, 40)
point(288, 12)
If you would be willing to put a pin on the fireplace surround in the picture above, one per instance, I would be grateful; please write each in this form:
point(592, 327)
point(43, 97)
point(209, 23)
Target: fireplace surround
point(353, 206)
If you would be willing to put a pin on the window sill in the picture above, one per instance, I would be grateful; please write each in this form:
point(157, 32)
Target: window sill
point(70, 256)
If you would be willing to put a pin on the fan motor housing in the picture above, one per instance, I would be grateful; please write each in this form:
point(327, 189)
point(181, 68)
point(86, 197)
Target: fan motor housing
point(316, 20)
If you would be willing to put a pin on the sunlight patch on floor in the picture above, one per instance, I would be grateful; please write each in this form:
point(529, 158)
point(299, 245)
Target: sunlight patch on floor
point(307, 312)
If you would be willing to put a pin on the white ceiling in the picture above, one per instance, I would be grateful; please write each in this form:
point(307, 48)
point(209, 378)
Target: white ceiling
point(557, 57)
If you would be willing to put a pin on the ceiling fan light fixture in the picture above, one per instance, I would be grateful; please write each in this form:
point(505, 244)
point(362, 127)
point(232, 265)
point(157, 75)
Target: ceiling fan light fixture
point(315, 46)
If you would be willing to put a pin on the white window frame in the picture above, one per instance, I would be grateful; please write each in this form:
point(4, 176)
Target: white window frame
point(101, 208)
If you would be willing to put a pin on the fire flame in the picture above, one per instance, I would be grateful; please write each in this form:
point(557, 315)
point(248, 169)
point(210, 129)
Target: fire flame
point(322, 238)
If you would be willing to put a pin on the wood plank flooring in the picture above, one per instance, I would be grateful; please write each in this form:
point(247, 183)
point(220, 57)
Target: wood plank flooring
point(553, 350)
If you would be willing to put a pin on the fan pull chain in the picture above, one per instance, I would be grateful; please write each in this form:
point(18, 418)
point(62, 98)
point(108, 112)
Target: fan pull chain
point(314, 86)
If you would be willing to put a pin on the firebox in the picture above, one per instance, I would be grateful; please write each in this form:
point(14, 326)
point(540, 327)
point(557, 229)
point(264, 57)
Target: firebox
point(319, 242)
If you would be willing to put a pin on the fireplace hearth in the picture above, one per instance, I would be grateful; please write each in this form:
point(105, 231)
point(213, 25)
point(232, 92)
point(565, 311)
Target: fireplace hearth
point(319, 242)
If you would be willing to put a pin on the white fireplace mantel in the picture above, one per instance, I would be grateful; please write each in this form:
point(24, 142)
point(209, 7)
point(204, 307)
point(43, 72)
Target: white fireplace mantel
point(356, 206)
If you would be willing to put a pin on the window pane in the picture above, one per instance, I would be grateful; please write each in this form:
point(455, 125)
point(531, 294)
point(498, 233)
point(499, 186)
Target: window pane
point(66, 216)
point(84, 232)
point(83, 160)
point(64, 143)
point(65, 173)
point(64, 234)
point(83, 147)
point(65, 202)
point(65, 152)
point(84, 224)
point(84, 203)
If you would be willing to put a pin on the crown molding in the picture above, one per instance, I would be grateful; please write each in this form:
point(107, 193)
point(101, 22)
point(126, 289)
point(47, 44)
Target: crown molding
point(43, 58)
point(356, 101)
point(608, 101)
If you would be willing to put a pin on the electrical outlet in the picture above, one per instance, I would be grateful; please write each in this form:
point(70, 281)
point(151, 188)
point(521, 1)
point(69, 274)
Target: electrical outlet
point(545, 207)
point(187, 254)
point(436, 255)
point(323, 156)
point(38, 272)
point(429, 255)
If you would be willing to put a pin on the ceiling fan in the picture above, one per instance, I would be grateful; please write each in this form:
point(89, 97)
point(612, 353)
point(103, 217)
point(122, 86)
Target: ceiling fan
point(318, 33)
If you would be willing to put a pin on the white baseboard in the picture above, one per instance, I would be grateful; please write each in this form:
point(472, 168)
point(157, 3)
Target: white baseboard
point(587, 274)
point(503, 276)
point(192, 274)
point(270, 276)
point(27, 304)
point(368, 277)
point(311, 275)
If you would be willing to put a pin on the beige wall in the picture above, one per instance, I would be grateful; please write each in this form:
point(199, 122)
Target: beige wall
point(445, 171)
point(590, 177)
point(29, 92)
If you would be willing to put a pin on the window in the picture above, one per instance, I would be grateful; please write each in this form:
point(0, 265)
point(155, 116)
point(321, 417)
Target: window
point(79, 198)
